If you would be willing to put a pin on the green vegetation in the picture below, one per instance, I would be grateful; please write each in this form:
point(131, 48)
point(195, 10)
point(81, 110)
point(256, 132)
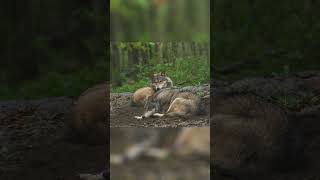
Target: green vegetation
point(161, 20)
point(55, 48)
point(272, 66)
point(281, 36)
point(57, 84)
point(183, 72)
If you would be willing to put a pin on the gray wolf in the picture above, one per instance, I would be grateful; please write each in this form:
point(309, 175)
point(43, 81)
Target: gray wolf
point(89, 118)
point(158, 81)
point(252, 136)
point(171, 102)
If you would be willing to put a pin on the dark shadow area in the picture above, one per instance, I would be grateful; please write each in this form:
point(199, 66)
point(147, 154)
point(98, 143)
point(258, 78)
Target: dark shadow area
point(269, 51)
point(53, 52)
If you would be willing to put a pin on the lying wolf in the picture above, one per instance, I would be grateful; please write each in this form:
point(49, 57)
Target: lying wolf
point(89, 121)
point(160, 143)
point(251, 137)
point(171, 102)
point(158, 81)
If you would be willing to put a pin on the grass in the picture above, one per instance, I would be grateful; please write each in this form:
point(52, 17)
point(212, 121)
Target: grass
point(183, 72)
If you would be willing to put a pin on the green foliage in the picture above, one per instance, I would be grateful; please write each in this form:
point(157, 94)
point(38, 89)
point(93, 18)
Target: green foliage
point(147, 20)
point(184, 72)
point(248, 29)
point(58, 84)
point(277, 66)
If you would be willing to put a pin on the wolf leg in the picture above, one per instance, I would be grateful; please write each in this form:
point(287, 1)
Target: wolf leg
point(137, 150)
point(158, 114)
point(138, 117)
point(146, 114)
point(157, 153)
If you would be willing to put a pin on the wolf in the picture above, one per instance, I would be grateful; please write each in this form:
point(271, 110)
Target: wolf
point(89, 117)
point(193, 141)
point(251, 136)
point(161, 143)
point(158, 81)
point(171, 102)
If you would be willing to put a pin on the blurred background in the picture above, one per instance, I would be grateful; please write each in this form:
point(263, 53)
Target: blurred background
point(175, 166)
point(160, 20)
point(263, 37)
point(52, 48)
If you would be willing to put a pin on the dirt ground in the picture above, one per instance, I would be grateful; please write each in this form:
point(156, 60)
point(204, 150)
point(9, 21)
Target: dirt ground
point(33, 145)
point(125, 118)
point(309, 169)
point(122, 113)
point(144, 168)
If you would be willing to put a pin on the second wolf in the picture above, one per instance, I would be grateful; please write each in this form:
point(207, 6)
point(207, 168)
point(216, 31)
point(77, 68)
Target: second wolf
point(171, 102)
point(158, 81)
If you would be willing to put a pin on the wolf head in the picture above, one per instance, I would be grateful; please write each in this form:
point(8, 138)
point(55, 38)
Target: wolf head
point(160, 81)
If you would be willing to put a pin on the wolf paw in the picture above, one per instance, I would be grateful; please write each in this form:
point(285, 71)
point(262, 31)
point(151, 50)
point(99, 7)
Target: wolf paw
point(138, 117)
point(158, 114)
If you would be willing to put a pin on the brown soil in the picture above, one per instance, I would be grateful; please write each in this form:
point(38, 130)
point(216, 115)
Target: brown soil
point(125, 118)
point(32, 144)
point(122, 114)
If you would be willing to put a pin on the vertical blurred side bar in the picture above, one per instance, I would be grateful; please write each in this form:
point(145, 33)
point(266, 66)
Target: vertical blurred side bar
point(211, 56)
point(106, 10)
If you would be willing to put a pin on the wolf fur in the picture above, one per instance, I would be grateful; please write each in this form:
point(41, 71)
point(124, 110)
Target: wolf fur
point(171, 102)
point(158, 81)
point(89, 121)
point(251, 136)
point(193, 141)
point(141, 95)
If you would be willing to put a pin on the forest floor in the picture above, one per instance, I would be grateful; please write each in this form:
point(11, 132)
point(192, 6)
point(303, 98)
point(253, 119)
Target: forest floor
point(33, 145)
point(122, 113)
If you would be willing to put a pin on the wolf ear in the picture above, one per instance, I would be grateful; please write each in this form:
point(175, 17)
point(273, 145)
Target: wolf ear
point(151, 75)
point(163, 74)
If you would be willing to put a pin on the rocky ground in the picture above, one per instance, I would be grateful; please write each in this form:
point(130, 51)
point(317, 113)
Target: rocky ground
point(33, 144)
point(122, 112)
